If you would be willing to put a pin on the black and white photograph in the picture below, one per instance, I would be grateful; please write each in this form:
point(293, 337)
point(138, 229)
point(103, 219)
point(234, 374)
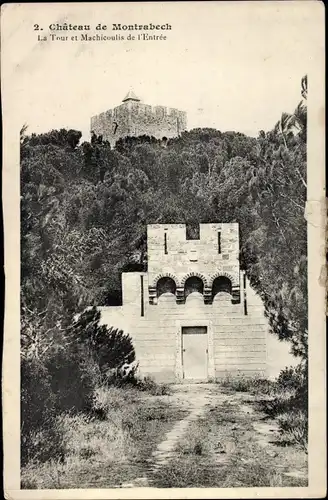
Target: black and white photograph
point(164, 222)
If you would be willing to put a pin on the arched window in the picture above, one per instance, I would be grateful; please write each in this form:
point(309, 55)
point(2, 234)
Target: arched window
point(221, 284)
point(193, 284)
point(165, 285)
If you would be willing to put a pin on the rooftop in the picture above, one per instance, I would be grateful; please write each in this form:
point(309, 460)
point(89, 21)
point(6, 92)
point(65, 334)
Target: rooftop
point(130, 96)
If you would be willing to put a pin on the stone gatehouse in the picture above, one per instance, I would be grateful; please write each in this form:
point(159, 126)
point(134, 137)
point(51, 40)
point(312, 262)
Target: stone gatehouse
point(193, 315)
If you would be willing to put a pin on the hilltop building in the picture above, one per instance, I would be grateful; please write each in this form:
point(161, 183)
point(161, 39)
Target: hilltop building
point(193, 315)
point(133, 118)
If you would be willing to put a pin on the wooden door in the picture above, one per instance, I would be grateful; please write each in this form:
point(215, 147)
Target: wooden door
point(194, 352)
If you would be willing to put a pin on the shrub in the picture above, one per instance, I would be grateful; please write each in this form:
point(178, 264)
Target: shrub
point(293, 378)
point(37, 405)
point(86, 436)
point(289, 404)
point(73, 378)
point(86, 439)
point(123, 376)
point(37, 398)
point(65, 381)
point(112, 349)
point(294, 427)
point(287, 400)
point(253, 384)
point(276, 405)
point(294, 381)
point(109, 399)
point(155, 389)
point(46, 443)
point(60, 384)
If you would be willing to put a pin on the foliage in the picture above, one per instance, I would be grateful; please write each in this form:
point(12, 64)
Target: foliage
point(284, 399)
point(294, 428)
point(85, 209)
point(253, 384)
point(84, 212)
point(37, 405)
point(292, 378)
point(64, 378)
point(148, 384)
point(289, 404)
point(110, 348)
point(102, 452)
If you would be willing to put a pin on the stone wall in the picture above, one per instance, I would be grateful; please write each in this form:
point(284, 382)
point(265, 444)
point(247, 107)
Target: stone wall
point(135, 118)
point(171, 254)
point(239, 341)
point(240, 344)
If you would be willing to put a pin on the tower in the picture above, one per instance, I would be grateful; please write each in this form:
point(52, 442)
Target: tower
point(129, 102)
point(134, 118)
point(212, 258)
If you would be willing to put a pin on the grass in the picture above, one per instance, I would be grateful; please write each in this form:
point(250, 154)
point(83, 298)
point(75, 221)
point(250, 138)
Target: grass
point(147, 384)
point(232, 445)
point(294, 428)
point(224, 450)
point(281, 399)
point(108, 447)
point(252, 385)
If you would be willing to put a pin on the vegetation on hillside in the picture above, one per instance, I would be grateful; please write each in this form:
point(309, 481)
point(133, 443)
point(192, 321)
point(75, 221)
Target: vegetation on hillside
point(84, 212)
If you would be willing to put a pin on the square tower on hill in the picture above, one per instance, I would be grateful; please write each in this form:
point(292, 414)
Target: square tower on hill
point(133, 118)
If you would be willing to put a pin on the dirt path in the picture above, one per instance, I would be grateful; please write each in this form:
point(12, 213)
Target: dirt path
point(193, 398)
point(223, 441)
point(201, 435)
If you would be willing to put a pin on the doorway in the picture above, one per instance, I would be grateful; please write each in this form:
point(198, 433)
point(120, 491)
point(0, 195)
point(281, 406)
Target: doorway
point(195, 352)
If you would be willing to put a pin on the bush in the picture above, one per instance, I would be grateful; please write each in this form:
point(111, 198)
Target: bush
point(289, 404)
point(73, 378)
point(62, 383)
point(65, 382)
point(112, 349)
point(294, 428)
point(149, 385)
point(37, 398)
point(37, 405)
point(293, 378)
point(278, 404)
point(254, 385)
point(46, 443)
point(86, 439)
point(124, 376)
point(109, 399)
point(294, 381)
point(287, 400)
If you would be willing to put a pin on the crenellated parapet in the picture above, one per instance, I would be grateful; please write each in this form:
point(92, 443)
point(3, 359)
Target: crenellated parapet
point(134, 118)
point(180, 265)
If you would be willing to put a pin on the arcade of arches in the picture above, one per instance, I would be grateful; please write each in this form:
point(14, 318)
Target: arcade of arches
point(192, 284)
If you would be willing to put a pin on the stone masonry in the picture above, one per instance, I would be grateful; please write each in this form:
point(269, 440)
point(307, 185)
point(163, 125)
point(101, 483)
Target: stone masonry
point(133, 118)
point(195, 285)
point(184, 258)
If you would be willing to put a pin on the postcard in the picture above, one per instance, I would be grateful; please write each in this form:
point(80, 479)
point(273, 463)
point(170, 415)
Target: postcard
point(164, 228)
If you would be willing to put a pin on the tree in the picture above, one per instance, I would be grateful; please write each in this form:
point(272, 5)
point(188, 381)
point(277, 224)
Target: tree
point(111, 348)
point(85, 210)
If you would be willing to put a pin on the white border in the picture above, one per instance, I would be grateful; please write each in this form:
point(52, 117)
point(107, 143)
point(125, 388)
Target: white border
point(12, 17)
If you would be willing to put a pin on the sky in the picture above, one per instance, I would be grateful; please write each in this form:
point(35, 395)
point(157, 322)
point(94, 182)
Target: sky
point(229, 66)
